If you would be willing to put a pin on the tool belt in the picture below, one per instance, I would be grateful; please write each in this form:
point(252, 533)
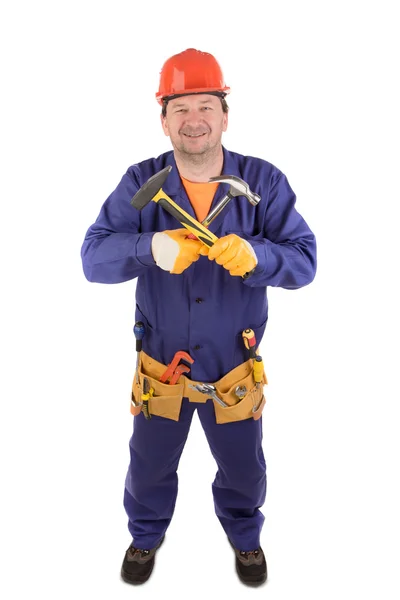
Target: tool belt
point(166, 399)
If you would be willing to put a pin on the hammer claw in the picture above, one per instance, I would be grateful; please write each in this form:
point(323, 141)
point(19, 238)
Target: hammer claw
point(238, 187)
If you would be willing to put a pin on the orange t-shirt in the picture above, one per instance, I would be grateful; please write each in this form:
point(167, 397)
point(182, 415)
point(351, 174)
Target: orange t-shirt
point(201, 196)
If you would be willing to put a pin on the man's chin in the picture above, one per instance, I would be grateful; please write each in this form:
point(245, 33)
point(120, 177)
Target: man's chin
point(192, 151)
point(195, 151)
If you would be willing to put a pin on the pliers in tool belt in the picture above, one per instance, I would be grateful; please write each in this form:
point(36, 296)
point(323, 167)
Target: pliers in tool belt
point(147, 394)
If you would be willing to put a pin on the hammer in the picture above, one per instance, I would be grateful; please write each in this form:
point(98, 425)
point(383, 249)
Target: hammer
point(152, 191)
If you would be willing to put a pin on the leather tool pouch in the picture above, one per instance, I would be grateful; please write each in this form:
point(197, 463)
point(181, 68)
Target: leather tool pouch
point(167, 399)
point(250, 406)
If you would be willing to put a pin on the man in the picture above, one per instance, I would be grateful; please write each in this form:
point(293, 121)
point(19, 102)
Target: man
point(199, 300)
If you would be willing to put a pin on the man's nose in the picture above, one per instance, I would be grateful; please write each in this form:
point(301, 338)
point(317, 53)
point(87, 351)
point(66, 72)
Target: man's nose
point(194, 116)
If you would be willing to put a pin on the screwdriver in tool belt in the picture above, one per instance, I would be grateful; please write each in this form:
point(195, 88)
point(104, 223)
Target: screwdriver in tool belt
point(258, 370)
point(250, 342)
point(138, 330)
point(249, 339)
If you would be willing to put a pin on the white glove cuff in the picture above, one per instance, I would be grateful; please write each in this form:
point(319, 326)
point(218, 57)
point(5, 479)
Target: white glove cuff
point(165, 250)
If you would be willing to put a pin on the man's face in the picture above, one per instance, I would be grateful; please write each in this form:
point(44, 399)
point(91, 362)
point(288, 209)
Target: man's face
point(195, 123)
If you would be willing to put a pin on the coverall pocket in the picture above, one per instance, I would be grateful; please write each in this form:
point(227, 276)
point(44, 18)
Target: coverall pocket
point(166, 400)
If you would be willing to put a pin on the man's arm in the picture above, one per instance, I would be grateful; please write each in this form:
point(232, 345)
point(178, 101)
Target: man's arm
point(287, 254)
point(114, 250)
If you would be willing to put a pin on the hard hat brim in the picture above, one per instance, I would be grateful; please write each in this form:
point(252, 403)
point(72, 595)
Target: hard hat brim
point(223, 91)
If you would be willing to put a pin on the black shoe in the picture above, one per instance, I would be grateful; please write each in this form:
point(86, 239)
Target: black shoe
point(138, 564)
point(251, 566)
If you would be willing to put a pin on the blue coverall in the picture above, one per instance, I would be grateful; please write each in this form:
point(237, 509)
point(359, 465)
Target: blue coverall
point(202, 311)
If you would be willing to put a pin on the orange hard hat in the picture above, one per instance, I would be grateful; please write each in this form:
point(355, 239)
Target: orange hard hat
point(190, 72)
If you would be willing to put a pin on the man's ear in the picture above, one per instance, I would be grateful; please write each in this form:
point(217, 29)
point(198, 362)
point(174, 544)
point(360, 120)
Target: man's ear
point(225, 122)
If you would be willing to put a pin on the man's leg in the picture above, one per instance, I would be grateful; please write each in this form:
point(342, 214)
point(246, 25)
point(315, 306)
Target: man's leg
point(239, 487)
point(151, 485)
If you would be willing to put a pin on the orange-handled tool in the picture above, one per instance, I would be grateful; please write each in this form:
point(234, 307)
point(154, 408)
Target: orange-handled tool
point(172, 367)
point(249, 340)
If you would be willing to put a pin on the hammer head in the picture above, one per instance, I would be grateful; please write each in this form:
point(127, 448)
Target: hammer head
point(149, 189)
point(238, 187)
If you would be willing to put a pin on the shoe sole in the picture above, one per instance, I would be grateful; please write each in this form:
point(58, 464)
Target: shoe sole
point(139, 580)
point(252, 582)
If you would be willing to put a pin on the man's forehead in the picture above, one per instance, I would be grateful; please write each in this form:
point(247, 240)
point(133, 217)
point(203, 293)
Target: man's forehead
point(194, 99)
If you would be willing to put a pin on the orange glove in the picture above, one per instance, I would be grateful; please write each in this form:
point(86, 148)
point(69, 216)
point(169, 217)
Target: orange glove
point(235, 254)
point(173, 251)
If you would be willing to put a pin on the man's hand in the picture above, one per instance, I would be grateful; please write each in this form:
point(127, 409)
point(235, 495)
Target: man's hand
point(233, 253)
point(173, 251)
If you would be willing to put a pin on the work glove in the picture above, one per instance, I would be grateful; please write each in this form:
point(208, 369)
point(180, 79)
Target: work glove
point(233, 253)
point(173, 251)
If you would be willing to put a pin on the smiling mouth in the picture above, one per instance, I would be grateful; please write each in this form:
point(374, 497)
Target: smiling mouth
point(194, 136)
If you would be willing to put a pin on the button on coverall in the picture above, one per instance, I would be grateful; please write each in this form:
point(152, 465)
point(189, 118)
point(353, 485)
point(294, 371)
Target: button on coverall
point(117, 248)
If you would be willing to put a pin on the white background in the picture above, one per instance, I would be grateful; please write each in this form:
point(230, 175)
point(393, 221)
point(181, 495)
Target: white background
point(314, 91)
